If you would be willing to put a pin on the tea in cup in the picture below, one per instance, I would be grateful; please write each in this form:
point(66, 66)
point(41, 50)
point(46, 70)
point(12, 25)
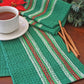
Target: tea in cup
point(9, 19)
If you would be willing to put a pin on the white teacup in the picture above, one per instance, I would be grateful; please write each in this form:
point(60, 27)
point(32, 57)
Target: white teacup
point(9, 25)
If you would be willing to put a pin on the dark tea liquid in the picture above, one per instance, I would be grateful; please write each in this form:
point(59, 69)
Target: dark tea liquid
point(6, 15)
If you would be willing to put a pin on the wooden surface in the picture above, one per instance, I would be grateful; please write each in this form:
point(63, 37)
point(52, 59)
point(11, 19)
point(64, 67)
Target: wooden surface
point(77, 35)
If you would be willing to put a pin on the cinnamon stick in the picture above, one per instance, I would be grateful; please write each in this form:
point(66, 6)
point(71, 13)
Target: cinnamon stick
point(64, 36)
point(71, 41)
point(69, 45)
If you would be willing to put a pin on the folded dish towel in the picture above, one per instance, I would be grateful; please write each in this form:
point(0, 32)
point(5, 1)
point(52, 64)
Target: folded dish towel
point(45, 14)
point(39, 58)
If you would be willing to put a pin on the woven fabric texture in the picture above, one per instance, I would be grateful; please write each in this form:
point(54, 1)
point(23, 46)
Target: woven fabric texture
point(3, 67)
point(40, 58)
point(45, 14)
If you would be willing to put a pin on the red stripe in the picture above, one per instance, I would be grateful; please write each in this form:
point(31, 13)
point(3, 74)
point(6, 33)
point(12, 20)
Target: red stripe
point(34, 23)
point(39, 60)
point(46, 6)
point(60, 56)
point(30, 4)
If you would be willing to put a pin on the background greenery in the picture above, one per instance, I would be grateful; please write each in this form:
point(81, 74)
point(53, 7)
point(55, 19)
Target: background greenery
point(76, 15)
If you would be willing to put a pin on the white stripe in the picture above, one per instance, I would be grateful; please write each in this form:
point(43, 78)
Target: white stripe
point(33, 62)
point(65, 56)
point(33, 7)
point(54, 56)
point(41, 9)
point(44, 59)
point(26, 3)
point(38, 24)
point(31, 21)
point(39, 19)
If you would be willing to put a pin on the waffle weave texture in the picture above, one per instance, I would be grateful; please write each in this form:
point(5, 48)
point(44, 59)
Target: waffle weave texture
point(3, 67)
point(45, 14)
point(38, 57)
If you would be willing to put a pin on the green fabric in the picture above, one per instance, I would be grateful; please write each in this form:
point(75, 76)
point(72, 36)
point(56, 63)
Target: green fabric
point(3, 67)
point(39, 57)
point(22, 57)
point(47, 29)
point(48, 21)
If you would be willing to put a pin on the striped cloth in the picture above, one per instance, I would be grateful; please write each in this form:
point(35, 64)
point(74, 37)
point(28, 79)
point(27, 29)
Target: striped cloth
point(38, 57)
point(45, 14)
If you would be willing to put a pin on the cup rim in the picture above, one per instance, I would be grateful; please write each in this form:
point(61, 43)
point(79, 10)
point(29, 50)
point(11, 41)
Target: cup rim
point(11, 11)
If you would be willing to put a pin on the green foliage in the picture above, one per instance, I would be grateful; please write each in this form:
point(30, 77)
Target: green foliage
point(76, 15)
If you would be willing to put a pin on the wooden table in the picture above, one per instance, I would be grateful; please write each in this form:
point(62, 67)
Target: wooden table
point(77, 35)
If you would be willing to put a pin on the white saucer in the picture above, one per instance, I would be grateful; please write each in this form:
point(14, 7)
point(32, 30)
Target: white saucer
point(23, 27)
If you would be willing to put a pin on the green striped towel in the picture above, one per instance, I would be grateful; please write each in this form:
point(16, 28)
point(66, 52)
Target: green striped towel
point(3, 67)
point(38, 57)
point(45, 14)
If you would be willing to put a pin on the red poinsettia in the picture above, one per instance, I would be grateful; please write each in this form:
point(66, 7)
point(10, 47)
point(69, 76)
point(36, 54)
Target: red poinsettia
point(15, 3)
